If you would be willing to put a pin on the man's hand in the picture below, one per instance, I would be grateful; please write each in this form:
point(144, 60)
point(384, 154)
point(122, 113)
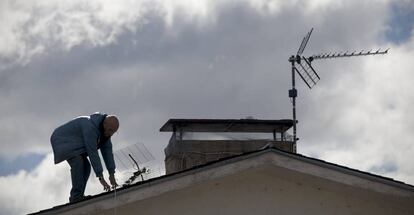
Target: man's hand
point(104, 184)
point(113, 181)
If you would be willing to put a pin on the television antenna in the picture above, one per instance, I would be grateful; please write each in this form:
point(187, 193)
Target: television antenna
point(130, 157)
point(302, 66)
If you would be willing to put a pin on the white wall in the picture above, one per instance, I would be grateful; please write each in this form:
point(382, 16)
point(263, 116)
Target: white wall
point(269, 190)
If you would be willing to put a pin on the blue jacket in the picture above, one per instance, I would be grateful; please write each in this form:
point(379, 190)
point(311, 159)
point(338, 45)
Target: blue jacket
point(82, 135)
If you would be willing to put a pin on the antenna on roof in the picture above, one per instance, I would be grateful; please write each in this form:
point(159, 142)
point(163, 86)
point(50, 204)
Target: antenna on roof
point(135, 175)
point(302, 66)
point(130, 157)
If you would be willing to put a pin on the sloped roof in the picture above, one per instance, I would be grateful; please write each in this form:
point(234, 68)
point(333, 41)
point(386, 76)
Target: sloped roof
point(352, 177)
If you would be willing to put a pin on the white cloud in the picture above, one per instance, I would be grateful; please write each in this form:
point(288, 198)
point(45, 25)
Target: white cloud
point(49, 185)
point(43, 187)
point(30, 28)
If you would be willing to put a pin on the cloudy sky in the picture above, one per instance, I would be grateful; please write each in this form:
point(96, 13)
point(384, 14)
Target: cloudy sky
point(150, 60)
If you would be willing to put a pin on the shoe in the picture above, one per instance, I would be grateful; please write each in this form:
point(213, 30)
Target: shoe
point(79, 199)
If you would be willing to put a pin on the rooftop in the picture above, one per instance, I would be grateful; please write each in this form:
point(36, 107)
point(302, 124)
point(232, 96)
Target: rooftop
point(280, 158)
point(227, 125)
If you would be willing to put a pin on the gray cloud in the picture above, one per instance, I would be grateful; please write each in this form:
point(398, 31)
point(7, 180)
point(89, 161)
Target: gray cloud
point(191, 75)
point(384, 168)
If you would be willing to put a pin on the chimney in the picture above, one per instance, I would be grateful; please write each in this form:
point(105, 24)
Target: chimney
point(198, 141)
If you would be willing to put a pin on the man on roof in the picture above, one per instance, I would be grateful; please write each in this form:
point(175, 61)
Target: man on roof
point(81, 138)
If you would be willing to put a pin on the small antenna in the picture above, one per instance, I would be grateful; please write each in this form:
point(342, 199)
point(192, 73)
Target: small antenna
point(130, 157)
point(139, 170)
point(139, 151)
point(135, 175)
point(302, 66)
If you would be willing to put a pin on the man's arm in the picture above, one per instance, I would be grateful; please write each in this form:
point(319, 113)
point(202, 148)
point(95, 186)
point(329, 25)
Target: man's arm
point(90, 140)
point(108, 157)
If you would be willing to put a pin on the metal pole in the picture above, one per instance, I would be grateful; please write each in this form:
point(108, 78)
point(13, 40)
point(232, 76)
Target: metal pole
point(294, 106)
point(293, 95)
point(139, 170)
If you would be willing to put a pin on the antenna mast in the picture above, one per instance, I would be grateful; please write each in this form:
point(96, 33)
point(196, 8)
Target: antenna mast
point(302, 66)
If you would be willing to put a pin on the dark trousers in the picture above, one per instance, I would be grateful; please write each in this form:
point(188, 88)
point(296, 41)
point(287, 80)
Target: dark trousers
point(80, 169)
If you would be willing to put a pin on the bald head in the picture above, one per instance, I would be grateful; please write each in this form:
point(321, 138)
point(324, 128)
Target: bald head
point(110, 125)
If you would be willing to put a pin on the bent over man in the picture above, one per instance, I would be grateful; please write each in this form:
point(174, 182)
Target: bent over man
point(81, 138)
